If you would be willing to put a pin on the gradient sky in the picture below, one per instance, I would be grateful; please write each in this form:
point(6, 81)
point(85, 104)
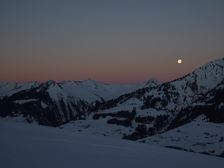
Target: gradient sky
point(110, 41)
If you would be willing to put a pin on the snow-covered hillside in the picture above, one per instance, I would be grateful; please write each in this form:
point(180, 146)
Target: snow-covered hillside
point(88, 90)
point(172, 104)
point(55, 103)
point(180, 93)
point(9, 88)
point(91, 90)
point(116, 123)
point(198, 136)
point(25, 145)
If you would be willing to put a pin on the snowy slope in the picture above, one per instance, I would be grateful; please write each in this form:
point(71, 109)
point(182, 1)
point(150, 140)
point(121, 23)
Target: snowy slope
point(100, 123)
point(8, 89)
point(52, 103)
point(24, 145)
point(98, 128)
point(88, 90)
point(161, 107)
point(91, 90)
point(182, 92)
point(211, 105)
point(178, 94)
point(198, 136)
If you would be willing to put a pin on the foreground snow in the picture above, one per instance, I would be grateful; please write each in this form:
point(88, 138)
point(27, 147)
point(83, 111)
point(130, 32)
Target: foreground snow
point(24, 145)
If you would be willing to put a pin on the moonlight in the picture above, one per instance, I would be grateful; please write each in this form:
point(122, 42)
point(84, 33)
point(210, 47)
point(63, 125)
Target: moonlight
point(179, 61)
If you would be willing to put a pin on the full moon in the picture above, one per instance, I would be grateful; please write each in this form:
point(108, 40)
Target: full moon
point(179, 61)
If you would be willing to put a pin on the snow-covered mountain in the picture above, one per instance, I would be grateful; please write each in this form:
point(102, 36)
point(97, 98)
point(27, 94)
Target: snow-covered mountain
point(9, 88)
point(210, 105)
point(177, 94)
point(53, 103)
point(91, 90)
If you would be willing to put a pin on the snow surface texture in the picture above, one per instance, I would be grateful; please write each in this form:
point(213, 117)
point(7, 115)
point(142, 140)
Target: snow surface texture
point(98, 127)
point(198, 136)
point(24, 145)
point(101, 127)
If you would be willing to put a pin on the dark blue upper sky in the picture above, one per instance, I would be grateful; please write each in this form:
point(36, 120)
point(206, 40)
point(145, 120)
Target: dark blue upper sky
point(111, 41)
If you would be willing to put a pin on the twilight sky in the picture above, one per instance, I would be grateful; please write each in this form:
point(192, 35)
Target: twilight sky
point(110, 41)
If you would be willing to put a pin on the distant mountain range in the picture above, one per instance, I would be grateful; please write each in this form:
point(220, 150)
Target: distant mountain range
point(52, 103)
point(137, 111)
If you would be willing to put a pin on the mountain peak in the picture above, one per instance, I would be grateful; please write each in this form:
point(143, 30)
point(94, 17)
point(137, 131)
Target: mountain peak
point(49, 83)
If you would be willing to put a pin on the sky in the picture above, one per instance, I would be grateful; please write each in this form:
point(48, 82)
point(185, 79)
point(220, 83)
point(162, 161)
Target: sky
point(110, 41)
